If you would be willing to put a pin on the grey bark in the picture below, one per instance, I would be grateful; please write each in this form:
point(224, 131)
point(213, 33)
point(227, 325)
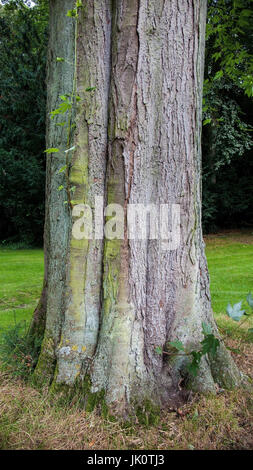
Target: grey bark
point(111, 302)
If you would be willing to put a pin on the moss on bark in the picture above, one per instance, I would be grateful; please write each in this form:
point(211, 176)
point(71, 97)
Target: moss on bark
point(44, 371)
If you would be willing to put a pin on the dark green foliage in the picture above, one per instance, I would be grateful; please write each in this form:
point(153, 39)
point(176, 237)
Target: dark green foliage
point(227, 130)
point(230, 42)
point(209, 345)
point(228, 135)
point(23, 33)
point(193, 367)
point(228, 195)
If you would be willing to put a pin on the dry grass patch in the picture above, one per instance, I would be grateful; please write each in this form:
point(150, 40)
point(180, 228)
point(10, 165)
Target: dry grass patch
point(29, 421)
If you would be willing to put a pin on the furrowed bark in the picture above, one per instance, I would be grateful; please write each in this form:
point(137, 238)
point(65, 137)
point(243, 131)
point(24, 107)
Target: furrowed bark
point(84, 262)
point(74, 269)
point(111, 302)
point(152, 296)
point(57, 217)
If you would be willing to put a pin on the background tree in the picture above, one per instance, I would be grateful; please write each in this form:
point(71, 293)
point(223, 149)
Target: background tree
point(227, 131)
point(23, 44)
point(108, 304)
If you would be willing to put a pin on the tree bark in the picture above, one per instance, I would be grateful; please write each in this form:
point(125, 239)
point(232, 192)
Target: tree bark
point(110, 303)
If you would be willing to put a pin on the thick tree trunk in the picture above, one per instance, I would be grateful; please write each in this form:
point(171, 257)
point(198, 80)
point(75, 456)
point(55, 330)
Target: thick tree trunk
point(110, 303)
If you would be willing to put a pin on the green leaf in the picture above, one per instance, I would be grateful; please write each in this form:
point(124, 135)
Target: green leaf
point(250, 300)
point(207, 121)
point(60, 59)
point(177, 345)
point(72, 13)
point(60, 187)
point(79, 3)
point(90, 88)
point(193, 367)
point(235, 312)
point(158, 350)
point(63, 168)
point(51, 150)
point(65, 106)
point(218, 75)
point(210, 345)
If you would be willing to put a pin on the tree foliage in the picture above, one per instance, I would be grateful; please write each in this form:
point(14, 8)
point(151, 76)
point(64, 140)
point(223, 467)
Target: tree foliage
point(230, 34)
point(227, 130)
point(23, 33)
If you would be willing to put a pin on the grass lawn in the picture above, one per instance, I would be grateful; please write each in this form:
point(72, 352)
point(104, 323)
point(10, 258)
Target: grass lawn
point(230, 262)
point(21, 276)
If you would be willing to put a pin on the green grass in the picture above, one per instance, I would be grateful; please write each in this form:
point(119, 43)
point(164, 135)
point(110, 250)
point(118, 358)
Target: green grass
point(21, 276)
point(230, 262)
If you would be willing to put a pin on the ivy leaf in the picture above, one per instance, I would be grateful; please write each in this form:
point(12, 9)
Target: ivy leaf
point(177, 345)
point(250, 300)
point(60, 187)
point(72, 13)
point(65, 106)
point(63, 168)
point(90, 88)
point(207, 121)
point(210, 345)
point(193, 367)
point(51, 150)
point(235, 312)
point(158, 350)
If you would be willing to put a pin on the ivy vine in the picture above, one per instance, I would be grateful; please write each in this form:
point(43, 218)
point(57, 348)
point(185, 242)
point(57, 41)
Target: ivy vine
point(67, 106)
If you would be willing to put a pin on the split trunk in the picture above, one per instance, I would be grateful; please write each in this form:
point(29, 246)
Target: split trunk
point(107, 304)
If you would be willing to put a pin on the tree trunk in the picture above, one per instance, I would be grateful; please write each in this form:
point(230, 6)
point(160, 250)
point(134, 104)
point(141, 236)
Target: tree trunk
point(111, 302)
